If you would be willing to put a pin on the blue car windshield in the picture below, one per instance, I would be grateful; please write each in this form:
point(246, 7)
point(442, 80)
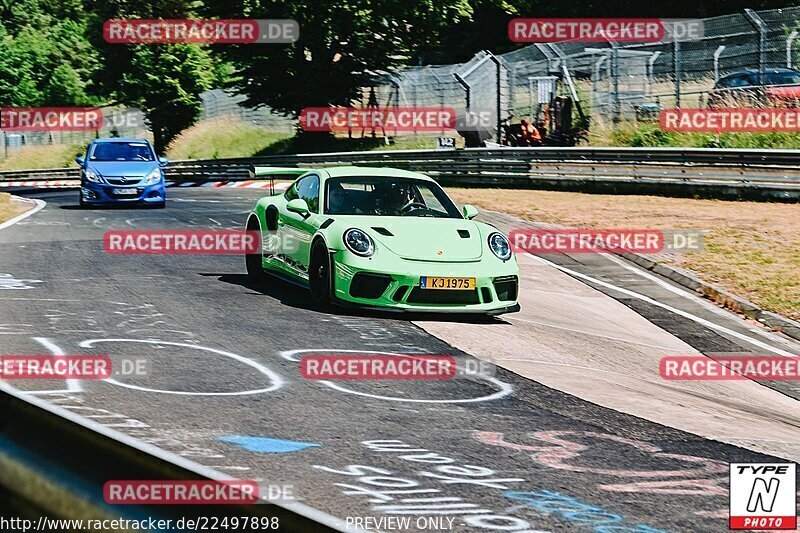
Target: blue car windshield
point(387, 197)
point(122, 151)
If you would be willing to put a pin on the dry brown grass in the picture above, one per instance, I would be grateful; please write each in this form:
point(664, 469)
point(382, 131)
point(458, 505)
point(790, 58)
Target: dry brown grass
point(752, 249)
point(8, 208)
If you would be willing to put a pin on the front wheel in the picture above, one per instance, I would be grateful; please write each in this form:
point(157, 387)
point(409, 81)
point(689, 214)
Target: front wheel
point(319, 275)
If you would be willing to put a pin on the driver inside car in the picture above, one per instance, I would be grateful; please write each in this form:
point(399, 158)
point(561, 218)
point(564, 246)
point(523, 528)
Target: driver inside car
point(393, 199)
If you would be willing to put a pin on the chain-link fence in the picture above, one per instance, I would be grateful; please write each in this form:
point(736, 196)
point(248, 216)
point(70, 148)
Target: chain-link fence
point(220, 103)
point(117, 122)
point(610, 81)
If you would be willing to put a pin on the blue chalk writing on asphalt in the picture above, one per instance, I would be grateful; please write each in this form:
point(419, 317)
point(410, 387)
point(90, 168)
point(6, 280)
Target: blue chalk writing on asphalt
point(266, 444)
point(599, 519)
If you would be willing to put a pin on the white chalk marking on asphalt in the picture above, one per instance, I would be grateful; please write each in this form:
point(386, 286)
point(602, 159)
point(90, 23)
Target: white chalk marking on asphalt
point(275, 379)
point(504, 388)
point(689, 296)
point(40, 204)
point(214, 221)
point(678, 312)
point(73, 385)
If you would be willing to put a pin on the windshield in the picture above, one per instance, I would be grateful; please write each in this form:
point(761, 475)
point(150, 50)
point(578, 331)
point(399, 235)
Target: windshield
point(782, 78)
point(387, 197)
point(122, 151)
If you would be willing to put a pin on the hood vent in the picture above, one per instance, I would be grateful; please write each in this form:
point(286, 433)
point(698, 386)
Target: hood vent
point(464, 234)
point(383, 231)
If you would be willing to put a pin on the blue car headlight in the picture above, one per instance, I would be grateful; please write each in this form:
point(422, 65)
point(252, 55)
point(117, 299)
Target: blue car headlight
point(359, 242)
point(153, 178)
point(92, 176)
point(499, 246)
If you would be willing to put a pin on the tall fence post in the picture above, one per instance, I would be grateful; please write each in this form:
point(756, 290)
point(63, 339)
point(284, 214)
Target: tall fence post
point(650, 62)
point(717, 54)
point(615, 116)
point(676, 67)
point(499, 83)
point(789, 40)
point(759, 25)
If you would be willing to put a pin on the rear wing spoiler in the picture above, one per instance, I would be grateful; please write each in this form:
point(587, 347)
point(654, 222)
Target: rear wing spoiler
point(273, 173)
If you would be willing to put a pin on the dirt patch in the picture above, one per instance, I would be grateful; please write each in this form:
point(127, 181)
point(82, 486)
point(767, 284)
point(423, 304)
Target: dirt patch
point(9, 208)
point(752, 249)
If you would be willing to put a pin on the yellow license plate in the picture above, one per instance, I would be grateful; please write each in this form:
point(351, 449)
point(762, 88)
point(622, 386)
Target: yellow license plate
point(431, 282)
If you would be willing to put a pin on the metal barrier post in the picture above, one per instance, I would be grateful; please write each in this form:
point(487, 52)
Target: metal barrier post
point(676, 66)
point(758, 23)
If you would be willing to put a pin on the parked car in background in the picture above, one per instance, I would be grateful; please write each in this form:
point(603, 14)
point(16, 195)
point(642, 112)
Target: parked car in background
point(779, 87)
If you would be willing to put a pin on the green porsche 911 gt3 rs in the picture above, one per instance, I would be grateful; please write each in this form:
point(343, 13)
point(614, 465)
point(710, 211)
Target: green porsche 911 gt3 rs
point(383, 238)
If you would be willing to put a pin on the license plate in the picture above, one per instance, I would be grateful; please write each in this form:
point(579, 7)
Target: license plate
point(125, 191)
point(447, 283)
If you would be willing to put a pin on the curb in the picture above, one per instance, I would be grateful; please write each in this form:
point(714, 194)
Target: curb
point(727, 300)
point(688, 280)
point(37, 206)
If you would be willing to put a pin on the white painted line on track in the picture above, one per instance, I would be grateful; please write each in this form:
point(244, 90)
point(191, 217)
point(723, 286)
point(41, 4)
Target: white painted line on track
point(504, 389)
point(701, 321)
point(690, 296)
point(276, 381)
point(73, 385)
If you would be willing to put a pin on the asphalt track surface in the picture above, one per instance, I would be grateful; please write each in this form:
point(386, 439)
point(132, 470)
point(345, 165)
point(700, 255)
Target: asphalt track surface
point(223, 388)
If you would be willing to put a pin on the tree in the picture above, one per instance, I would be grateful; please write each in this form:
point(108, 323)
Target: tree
point(164, 80)
point(342, 45)
point(46, 63)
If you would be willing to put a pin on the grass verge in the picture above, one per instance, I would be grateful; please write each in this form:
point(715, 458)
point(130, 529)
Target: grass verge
point(8, 208)
point(232, 137)
point(751, 248)
point(36, 156)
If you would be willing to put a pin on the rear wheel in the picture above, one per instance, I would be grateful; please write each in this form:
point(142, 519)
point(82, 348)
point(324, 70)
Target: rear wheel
point(255, 262)
point(319, 275)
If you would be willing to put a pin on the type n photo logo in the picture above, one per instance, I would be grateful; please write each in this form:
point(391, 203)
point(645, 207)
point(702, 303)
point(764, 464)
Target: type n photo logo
point(763, 496)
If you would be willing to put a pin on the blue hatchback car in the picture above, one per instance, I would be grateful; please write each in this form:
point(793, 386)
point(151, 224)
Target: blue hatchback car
point(122, 171)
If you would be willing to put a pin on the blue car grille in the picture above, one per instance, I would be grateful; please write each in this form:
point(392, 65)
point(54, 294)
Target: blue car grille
point(127, 181)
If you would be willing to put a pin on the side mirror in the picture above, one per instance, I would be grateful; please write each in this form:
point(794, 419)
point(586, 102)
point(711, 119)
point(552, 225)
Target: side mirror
point(299, 206)
point(469, 211)
point(80, 160)
point(163, 161)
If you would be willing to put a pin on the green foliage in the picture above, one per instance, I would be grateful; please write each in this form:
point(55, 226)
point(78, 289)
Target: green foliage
point(342, 46)
point(46, 66)
point(645, 135)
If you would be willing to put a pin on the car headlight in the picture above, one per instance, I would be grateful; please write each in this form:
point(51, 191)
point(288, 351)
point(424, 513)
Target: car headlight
point(92, 176)
point(153, 178)
point(359, 242)
point(499, 246)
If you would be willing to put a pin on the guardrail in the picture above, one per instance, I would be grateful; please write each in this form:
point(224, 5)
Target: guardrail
point(772, 174)
point(54, 463)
